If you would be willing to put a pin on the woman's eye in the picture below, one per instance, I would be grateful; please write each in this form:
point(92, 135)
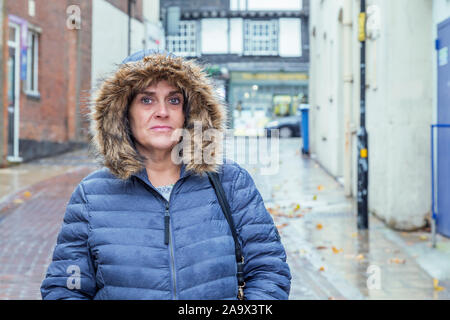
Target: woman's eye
point(175, 100)
point(146, 100)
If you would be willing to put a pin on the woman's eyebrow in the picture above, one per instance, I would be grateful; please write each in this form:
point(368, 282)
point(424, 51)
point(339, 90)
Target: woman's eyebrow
point(152, 93)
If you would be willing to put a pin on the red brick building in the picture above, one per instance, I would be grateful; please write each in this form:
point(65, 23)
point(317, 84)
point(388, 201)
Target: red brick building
point(45, 73)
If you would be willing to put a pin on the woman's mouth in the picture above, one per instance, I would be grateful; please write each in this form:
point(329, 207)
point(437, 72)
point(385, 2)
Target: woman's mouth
point(161, 128)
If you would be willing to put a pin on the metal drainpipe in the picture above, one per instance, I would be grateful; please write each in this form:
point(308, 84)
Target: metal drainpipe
point(130, 5)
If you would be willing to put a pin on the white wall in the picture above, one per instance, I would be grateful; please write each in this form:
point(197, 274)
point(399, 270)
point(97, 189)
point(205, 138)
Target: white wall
point(326, 80)
point(399, 113)
point(151, 10)
point(110, 38)
point(236, 40)
point(214, 36)
point(290, 37)
point(399, 104)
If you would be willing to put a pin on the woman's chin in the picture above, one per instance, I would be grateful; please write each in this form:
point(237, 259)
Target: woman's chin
point(163, 143)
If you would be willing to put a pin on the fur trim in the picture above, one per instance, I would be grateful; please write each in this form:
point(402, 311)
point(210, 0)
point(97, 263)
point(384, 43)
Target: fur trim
point(110, 138)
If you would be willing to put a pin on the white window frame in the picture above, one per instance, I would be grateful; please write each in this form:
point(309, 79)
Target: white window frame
point(187, 34)
point(32, 53)
point(254, 42)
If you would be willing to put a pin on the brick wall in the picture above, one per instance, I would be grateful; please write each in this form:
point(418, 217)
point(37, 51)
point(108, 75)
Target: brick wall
point(50, 124)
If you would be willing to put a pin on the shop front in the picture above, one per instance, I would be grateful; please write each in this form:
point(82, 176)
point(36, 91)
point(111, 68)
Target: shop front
point(256, 98)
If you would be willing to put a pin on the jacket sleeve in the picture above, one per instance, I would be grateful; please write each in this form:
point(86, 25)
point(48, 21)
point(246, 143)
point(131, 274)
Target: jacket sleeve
point(267, 275)
point(70, 275)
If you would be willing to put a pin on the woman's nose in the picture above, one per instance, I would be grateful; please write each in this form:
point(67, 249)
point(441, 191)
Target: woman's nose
point(162, 110)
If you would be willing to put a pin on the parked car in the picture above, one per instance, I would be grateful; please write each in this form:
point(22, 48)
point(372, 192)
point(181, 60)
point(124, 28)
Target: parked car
point(288, 126)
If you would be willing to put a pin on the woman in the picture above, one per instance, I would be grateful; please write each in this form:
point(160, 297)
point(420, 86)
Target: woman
point(147, 226)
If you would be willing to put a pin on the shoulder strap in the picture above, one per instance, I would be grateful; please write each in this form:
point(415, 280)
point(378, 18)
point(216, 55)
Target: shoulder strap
point(218, 188)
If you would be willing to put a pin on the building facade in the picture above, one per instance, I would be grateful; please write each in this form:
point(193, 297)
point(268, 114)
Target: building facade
point(119, 28)
point(258, 53)
point(46, 64)
point(53, 54)
point(400, 100)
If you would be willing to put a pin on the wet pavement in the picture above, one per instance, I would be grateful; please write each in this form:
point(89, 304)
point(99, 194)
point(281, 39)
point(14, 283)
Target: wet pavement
point(328, 257)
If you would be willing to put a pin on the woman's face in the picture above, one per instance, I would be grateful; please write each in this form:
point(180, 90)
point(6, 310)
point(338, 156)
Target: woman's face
point(154, 114)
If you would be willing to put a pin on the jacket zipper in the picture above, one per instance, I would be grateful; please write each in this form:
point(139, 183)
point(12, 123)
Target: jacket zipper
point(168, 241)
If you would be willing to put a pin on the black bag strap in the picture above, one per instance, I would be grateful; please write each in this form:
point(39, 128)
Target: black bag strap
point(218, 188)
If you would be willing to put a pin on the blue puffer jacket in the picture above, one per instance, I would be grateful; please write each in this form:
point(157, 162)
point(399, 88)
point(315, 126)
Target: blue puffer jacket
point(113, 235)
point(112, 243)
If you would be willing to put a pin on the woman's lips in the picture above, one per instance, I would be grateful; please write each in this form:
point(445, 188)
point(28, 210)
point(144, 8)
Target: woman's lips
point(161, 128)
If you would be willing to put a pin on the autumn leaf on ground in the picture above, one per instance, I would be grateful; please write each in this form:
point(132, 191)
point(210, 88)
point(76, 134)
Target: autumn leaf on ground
point(282, 226)
point(360, 257)
point(18, 201)
point(321, 269)
point(27, 194)
point(335, 250)
point(320, 188)
point(423, 237)
point(397, 261)
point(296, 208)
point(436, 285)
point(315, 198)
point(319, 226)
point(354, 234)
point(321, 247)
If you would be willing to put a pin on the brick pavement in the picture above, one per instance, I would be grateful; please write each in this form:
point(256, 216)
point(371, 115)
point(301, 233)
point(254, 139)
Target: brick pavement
point(28, 233)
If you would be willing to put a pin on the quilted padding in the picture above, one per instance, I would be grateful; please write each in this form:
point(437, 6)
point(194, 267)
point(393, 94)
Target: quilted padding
point(113, 237)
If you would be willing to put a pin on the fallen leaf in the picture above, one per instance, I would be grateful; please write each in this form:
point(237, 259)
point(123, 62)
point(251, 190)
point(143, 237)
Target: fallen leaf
point(335, 250)
point(18, 201)
point(397, 261)
point(297, 207)
point(436, 285)
point(320, 188)
point(360, 257)
point(315, 198)
point(321, 269)
point(321, 247)
point(27, 194)
point(319, 226)
point(282, 226)
point(354, 234)
point(423, 237)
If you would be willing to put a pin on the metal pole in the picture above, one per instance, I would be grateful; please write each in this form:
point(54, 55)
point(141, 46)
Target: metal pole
point(433, 214)
point(363, 160)
point(130, 3)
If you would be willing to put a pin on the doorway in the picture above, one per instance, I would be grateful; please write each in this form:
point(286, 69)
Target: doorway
point(13, 69)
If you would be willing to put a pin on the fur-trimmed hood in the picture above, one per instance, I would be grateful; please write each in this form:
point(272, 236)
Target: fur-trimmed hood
point(110, 136)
